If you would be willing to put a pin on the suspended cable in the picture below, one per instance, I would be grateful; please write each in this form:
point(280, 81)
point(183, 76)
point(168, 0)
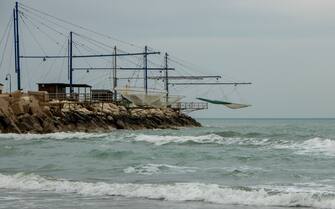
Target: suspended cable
point(10, 63)
point(43, 18)
point(100, 43)
point(75, 45)
point(34, 38)
point(62, 65)
point(27, 67)
point(6, 28)
point(189, 64)
point(54, 61)
point(39, 29)
point(32, 19)
point(5, 47)
point(89, 49)
point(81, 27)
point(93, 40)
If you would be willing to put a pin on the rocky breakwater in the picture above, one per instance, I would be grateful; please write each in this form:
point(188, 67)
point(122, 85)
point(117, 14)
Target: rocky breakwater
point(25, 113)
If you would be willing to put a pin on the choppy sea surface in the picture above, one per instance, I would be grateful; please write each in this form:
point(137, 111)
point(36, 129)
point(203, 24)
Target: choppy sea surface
point(227, 163)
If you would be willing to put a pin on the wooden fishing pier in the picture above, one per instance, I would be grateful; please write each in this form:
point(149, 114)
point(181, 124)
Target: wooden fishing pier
point(85, 93)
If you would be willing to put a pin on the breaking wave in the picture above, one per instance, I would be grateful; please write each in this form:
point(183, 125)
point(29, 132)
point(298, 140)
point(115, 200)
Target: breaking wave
point(161, 140)
point(203, 139)
point(212, 193)
point(151, 169)
point(56, 136)
point(316, 146)
point(312, 146)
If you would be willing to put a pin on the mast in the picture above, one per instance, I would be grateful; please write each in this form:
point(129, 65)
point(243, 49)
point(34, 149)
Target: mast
point(70, 63)
point(146, 69)
point(166, 78)
point(17, 45)
point(114, 75)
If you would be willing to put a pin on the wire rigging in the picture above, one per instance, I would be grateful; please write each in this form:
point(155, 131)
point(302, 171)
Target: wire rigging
point(54, 61)
point(34, 38)
point(43, 32)
point(44, 18)
point(8, 25)
point(46, 26)
point(5, 47)
point(79, 26)
point(95, 41)
point(75, 45)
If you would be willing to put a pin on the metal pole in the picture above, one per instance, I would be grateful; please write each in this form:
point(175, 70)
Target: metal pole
point(70, 64)
point(68, 59)
point(166, 78)
point(10, 82)
point(17, 46)
point(15, 53)
point(114, 76)
point(146, 69)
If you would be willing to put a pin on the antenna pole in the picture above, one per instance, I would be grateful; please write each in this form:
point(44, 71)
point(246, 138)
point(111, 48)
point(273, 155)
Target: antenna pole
point(146, 69)
point(166, 78)
point(17, 45)
point(70, 64)
point(115, 75)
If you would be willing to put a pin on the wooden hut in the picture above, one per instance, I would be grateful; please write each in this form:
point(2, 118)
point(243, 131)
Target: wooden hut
point(61, 91)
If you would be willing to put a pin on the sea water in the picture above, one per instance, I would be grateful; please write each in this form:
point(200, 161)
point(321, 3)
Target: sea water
point(227, 163)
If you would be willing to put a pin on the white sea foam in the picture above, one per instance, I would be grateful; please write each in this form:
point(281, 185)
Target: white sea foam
point(202, 139)
point(319, 145)
point(312, 146)
point(155, 139)
point(161, 140)
point(151, 169)
point(175, 192)
point(57, 136)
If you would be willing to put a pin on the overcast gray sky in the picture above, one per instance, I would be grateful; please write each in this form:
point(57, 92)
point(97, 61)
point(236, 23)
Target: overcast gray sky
point(285, 47)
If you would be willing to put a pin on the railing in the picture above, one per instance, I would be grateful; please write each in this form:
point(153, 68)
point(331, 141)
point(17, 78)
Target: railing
point(105, 97)
point(82, 97)
point(190, 106)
